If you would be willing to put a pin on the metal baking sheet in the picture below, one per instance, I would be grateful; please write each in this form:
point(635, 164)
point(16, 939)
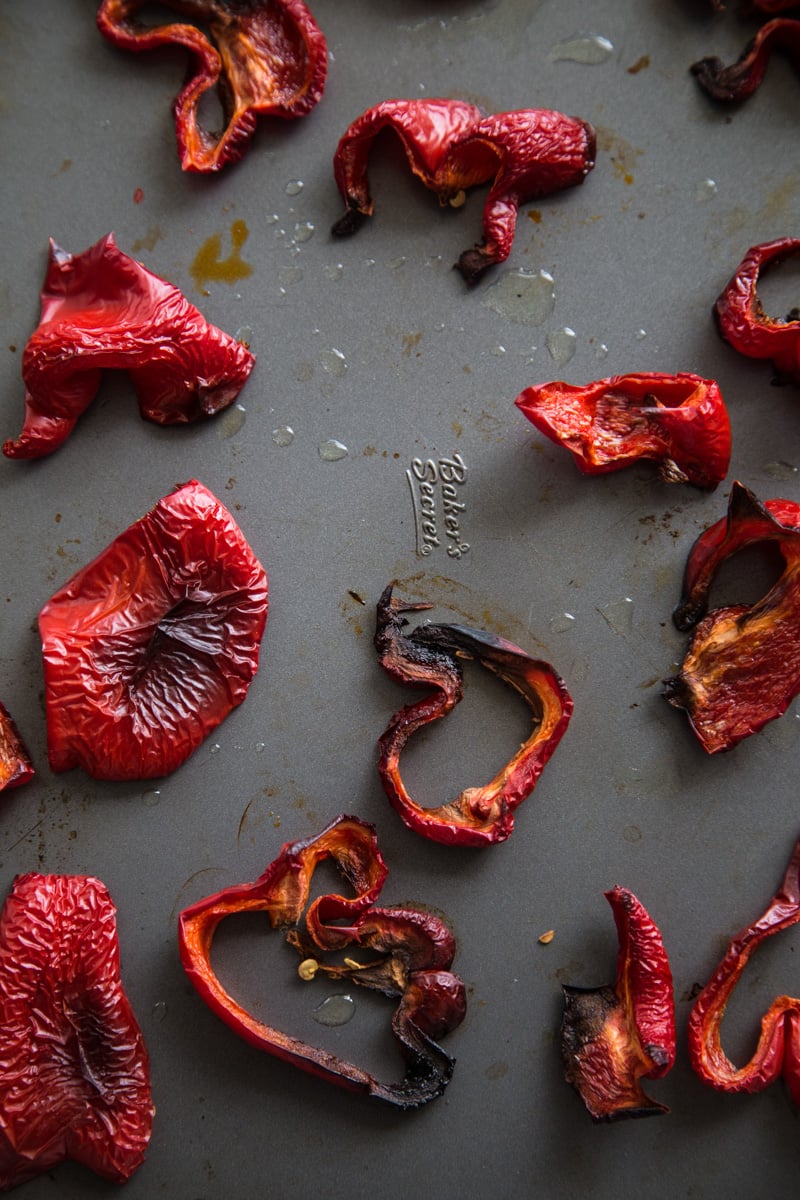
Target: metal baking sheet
point(376, 343)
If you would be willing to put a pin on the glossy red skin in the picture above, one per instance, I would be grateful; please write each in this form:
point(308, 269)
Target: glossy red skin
point(679, 421)
point(742, 667)
point(428, 657)
point(742, 78)
point(150, 646)
point(267, 58)
point(16, 767)
point(74, 1074)
point(742, 320)
point(452, 146)
point(410, 955)
point(611, 1039)
point(778, 1051)
point(103, 309)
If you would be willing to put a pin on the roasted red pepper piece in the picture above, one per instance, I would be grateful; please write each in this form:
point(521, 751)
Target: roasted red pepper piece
point(150, 646)
point(613, 1037)
point(103, 309)
point(452, 146)
point(429, 657)
point(266, 57)
point(680, 421)
point(743, 665)
point(411, 952)
point(74, 1070)
point(778, 1051)
point(742, 78)
point(741, 317)
point(16, 767)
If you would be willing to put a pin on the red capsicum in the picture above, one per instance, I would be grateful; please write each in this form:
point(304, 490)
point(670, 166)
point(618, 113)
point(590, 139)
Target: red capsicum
point(429, 657)
point(74, 1069)
point(266, 58)
point(451, 146)
point(408, 956)
point(16, 767)
point(150, 646)
point(613, 1037)
point(778, 1051)
point(741, 318)
point(104, 309)
point(742, 78)
point(679, 421)
point(742, 667)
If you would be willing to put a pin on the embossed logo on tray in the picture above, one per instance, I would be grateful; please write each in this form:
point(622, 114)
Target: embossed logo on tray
point(436, 486)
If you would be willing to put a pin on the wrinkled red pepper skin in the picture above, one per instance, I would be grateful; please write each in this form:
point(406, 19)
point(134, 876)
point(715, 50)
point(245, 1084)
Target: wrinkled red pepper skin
point(410, 956)
point(741, 318)
point(266, 57)
point(679, 421)
point(16, 767)
point(429, 657)
point(742, 667)
point(739, 80)
point(150, 646)
point(613, 1037)
point(452, 146)
point(74, 1069)
point(103, 309)
point(778, 1051)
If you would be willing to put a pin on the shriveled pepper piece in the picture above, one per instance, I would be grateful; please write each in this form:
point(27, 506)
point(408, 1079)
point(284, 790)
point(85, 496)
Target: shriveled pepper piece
point(150, 646)
point(741, 318)
point(429, 657)
point(266, 57)
point(743, 665)
point(778, 1051)
point(452, 146)
point(742, 78)
point(74, 1069)
point(102, 309)
point(16, 767)
point(613, 1037)
point(410, 955)
point(680, 421)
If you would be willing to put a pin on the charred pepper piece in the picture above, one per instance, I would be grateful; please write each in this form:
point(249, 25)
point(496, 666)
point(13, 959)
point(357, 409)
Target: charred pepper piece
point(150, 646)
point(742, 78)
point(741, 318)
point(266, 58)
point(16, 767)
point(613, 1037)
point(778, 1051)
point(452, 146)
point(429, 657)
point(410, 953)
point(74, 1076)
point(742, 667)
point(103, 309)
point(680, 421)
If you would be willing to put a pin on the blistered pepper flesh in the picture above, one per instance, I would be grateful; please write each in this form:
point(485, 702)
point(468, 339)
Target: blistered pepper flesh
point(16, 767)
point(452, 146)
point(150, 646)
point(741, 318)
point(613, 1037)
point(742, 78)
point(265, 57)
point(103, 309)
point(74, 1069)
point(409, 954)
point(679, 421)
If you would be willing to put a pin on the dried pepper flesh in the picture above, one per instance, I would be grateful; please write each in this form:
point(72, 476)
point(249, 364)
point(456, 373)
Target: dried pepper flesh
point(741, 318)
point(16, 767)
point(740, 79)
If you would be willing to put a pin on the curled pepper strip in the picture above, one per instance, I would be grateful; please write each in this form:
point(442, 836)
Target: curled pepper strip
point(103, 309)
point(452, 146)
point(16, 767)
point(613, 1037)
point(74, 1071)
point(412, 951)
point(778, 1051)
point(741, 318)
point(429, 656)
point(680, 421)
point(742, 667)
point(742, 78)
point(267, 58)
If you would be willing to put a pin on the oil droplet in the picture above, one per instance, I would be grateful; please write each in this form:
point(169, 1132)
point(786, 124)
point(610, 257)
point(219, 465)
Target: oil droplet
point(397, 264)
point(304, 231)
point(780, 470)
point(562, 622)
point(152, 798)
point(618, 615)
point(641, 334)
point(260, 747)
point(335, 1010)
point(215, 749)
point(208, 264)
point(294, 187)
point(290, 275)
point(498, 351)
point(159, 1010)
point(562, 343)
point(335, 271)
point(272, 219)
point(526, 297)
point(333, 450)
point(244, 334)
point(589, 49)
point(333, 361)
point(282, 436)
point(230, 423)
point(705, 191)
point(601, 350)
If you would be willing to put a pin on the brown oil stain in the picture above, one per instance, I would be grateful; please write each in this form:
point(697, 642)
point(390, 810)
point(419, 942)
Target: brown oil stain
point(149, 241)
point(457, 428)
point(209, 266)
point(410, 341)
point(496, 1070)
point(623, 155)
point(535, 215)
point(778, 204)
point(442, 592)
point(641, 64)
point(65, 166)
